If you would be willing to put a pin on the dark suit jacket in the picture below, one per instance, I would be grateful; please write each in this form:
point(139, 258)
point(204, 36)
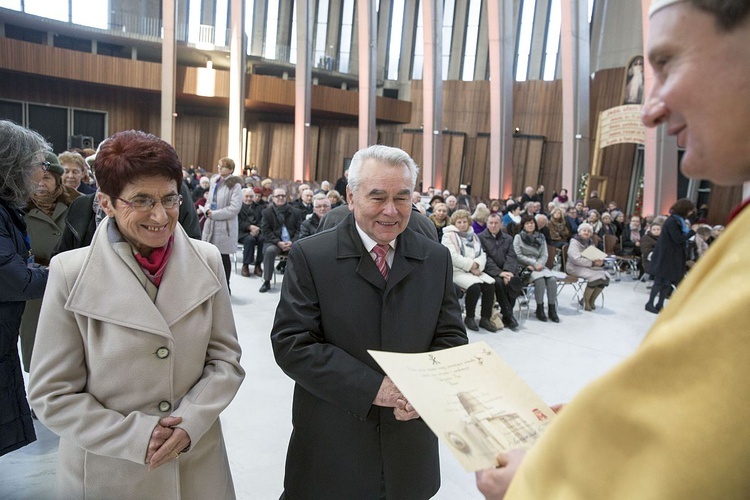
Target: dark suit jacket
point(270, 227)
point(501, 256)
point(334, 306)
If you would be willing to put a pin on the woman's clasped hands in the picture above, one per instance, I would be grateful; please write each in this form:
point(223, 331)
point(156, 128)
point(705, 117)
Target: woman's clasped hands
point(167, 442)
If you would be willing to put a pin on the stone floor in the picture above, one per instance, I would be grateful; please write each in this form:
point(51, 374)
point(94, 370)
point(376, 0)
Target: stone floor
point(557, 360)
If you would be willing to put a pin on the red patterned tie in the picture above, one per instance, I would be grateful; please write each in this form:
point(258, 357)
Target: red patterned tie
point(380, 252)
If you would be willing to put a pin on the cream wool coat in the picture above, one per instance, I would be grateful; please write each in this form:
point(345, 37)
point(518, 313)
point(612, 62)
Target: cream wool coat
point(109, 363)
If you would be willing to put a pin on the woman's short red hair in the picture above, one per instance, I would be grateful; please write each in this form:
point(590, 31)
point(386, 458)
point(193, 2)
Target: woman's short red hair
point(132, 154)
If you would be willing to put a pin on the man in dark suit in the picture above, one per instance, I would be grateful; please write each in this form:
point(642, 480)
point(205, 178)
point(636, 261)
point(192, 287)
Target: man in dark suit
point(503, 266)
point(361, 286)
point(249, 222)
point(279, 226)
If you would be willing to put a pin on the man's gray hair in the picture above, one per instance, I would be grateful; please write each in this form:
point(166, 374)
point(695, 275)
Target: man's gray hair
point(381, 154)
point(585, 225)
point(19, 151)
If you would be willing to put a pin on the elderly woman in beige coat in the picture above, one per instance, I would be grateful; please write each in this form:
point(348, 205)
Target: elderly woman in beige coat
point(136, 353)
point(468, 270)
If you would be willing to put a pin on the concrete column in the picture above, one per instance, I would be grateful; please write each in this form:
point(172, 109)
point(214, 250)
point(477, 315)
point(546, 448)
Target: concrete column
point(284, 34)
point(501, 46)
point(302, 90)
point(480, 65)
point(432, 90)
point(168, 71)
point(259, 27)
point(574, 48)
point(659, 152)
point(538, 46)
point(333, 35)
point(407, 50)
point(384, 27)
point(366, 47)
point(236, 84)
point(458, 39)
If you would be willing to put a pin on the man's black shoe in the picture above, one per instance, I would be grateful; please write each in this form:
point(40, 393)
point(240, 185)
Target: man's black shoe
point(265, 287)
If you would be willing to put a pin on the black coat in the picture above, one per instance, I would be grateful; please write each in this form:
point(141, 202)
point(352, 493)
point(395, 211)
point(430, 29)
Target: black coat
point(18, 283)
point(309, 226)
point(249, 215)
point(670, 254)
point(501, 256)
point(270, 226)
point(334, 306)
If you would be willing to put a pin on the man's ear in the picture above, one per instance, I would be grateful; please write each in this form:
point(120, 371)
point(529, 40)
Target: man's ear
point(106, 203)
point(349, 198)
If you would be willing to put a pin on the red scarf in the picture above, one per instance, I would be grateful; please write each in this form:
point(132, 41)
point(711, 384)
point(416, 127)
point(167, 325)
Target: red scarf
point(154, 265)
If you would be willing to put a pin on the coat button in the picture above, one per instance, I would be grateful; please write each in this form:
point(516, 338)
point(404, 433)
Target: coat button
point(165, 406)
point(162, 352)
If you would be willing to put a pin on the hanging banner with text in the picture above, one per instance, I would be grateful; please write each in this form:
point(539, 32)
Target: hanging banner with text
point(621, 125)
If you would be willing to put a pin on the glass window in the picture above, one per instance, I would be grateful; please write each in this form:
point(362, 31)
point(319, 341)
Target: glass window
point(194, 21)
point(524, 39)
point(321, 29)
point(591, 10)
point(293, 41)
point(394, 42)
point(50, 9)
point(220, 34)
point(347, 27)
point(249, 14)
point(88, 13)
point(472, 36)
point(272, 27)
point(553, 40)
point(418, 62)
point(448, 12)
point(11, 4)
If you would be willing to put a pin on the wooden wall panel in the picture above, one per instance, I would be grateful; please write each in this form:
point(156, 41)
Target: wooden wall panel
point(43, 60)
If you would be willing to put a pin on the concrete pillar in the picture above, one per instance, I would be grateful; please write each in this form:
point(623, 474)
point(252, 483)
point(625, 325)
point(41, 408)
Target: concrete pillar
point(284, 34)
point(538, 45)
point(501, 46)
point(384, 26)
point(461, 11)
point(432, 90)
point(333, 35)
point(483, 50)
point(259, 27)
point(574, 48)
point(366, 47)
point(302, 90)
point(168, 71)
point(236, 84)
point(407, 50)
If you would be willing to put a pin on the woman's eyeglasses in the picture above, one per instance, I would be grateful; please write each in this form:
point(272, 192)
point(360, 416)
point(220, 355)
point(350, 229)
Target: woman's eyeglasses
point(147, 204)
point(44, 164)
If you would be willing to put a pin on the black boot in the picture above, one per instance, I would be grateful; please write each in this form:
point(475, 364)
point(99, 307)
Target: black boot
point(540, 313)
point(553, 313)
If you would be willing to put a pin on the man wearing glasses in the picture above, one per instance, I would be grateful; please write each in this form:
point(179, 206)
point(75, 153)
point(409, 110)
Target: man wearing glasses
point(280, 226)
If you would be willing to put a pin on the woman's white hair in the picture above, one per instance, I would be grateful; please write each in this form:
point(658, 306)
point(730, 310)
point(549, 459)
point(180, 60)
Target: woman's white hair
point(585, 225)
point(19, 149)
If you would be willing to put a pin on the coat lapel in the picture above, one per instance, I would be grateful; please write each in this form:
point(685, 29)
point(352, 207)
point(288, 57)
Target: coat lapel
point(107, 289)
point(188, 280)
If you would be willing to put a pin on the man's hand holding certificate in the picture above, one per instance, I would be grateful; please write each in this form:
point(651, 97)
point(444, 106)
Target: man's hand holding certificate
point(471, 399)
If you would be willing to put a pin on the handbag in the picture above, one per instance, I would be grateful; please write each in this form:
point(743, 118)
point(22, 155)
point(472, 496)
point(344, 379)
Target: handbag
point(497, 320)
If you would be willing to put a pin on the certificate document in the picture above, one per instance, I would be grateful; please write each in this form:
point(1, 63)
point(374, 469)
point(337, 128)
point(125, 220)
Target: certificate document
point(471, 399)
